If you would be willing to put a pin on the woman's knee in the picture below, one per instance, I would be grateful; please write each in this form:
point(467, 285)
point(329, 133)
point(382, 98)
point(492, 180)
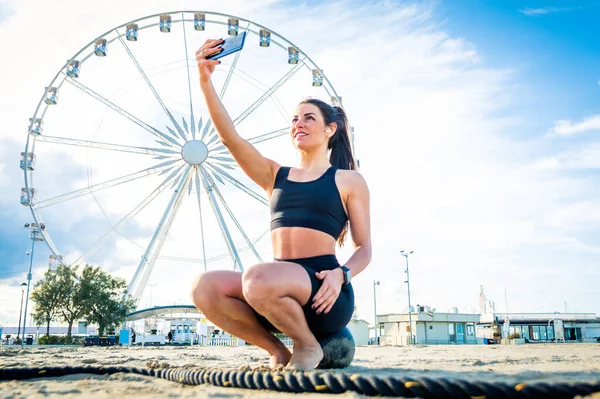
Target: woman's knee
point(258, 285)
point(208, 288)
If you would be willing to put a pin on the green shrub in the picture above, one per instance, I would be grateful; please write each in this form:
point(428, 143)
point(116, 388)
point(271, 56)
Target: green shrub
point(60, 340)
point(48, 340)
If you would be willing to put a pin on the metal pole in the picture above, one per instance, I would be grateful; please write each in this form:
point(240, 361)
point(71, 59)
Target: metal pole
point(28, 285)
point(375, 283)
point(21, 309)
point(408, 289)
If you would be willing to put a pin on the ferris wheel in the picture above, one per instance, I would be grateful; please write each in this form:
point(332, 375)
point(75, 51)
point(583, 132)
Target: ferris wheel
point(123, 167)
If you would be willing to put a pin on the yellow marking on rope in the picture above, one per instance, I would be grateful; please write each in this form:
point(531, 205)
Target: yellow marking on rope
point(226, 383)
point(320, 387)
point(42, 372)
point(354, 377)
point(478, 397)
point(520, 386)
point(277, 378)
point(180, 379)
point(411, 384)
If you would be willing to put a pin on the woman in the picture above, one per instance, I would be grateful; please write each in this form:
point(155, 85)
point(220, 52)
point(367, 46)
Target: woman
point(304, 291)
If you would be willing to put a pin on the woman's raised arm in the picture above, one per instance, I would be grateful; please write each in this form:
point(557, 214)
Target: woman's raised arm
point(260, 169)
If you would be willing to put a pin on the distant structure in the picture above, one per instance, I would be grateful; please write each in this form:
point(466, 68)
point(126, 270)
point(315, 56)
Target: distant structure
point(485, 306)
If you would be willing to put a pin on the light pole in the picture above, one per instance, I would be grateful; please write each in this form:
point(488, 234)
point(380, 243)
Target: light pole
point(375, 283)
point(21, 309)
point(405, 254)
point(35, 234)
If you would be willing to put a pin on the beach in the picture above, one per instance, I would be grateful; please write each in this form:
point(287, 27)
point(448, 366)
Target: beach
point(504, 363)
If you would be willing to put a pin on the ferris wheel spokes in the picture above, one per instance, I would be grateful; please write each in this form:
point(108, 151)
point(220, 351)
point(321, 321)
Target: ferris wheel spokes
point(137, 209)
point(267, 94)
point(236, 183)
point(135, 288)
point(231, 70)
point(197, 178)
point(165, 166)
point(208, 187)
point(187, 64)
point(105, 146)
point(141, 70)
point(110, 104)
point(235, 221)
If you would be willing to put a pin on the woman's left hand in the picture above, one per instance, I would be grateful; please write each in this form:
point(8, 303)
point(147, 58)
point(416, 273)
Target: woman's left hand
point(329, 291)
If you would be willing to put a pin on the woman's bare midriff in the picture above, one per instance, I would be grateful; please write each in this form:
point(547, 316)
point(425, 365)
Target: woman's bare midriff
point(301, 242)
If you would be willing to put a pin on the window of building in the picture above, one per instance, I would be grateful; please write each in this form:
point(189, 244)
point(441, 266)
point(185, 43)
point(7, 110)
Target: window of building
point(536, 332)
point(550, 332)
point(470, 329)
point(543, 333)
point(525, 332)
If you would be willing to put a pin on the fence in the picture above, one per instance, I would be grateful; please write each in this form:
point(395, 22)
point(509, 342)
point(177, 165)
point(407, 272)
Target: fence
point(220, 341)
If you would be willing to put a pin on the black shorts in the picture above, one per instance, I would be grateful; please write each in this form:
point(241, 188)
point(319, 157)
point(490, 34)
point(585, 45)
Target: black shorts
point(341, 312)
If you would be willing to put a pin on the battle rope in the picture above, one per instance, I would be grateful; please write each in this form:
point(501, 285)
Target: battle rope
point(325, 382)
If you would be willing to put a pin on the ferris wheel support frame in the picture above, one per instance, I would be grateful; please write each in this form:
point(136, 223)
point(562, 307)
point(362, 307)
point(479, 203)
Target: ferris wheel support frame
point(151, 254)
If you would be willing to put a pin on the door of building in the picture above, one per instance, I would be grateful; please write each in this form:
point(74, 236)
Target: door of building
point(460, 333)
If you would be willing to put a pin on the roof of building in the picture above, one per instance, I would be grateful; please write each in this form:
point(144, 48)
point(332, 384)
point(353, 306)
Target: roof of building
point(161, 311)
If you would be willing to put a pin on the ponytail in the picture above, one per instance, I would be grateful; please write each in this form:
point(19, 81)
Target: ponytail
point(341, 149)
point(340, 156)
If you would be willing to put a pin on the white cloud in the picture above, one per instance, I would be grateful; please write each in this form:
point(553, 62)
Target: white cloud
point(444, 178)
point(567, 128)
point(585, 156)
point(532, 12)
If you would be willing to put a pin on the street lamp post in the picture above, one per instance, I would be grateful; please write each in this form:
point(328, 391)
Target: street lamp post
point(405, 254)
point(21, 309)
point(375, 283)
point(35, 233)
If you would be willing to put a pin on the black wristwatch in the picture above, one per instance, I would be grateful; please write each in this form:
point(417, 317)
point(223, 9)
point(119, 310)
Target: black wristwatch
point(347, 274)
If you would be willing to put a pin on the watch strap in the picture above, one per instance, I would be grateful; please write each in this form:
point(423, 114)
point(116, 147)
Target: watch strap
point(347, 274)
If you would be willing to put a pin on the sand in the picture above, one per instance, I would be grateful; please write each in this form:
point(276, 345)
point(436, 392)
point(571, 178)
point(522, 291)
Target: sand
point(516, 363)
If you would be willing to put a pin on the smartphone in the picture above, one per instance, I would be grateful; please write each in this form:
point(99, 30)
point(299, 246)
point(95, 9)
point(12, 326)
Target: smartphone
point(230, 45)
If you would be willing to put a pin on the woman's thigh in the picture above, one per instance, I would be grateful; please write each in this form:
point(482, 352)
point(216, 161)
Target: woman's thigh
point(265, 281)
point(210, 285)
point(300, 283)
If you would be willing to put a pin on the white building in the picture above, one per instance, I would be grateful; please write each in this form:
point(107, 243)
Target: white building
point(542, 327)
point(428, 328)
point(360, 331)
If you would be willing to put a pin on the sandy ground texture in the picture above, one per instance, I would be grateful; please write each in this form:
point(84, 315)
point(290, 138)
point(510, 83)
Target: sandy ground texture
point(517, 363)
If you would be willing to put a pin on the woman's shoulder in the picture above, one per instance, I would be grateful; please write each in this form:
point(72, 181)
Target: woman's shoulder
point(350, 178)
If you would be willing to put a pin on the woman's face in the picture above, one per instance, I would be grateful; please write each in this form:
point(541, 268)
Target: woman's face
point(308, 128)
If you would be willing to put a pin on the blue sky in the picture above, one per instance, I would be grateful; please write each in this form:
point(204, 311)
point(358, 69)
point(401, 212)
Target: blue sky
point(553, 44)
point(490, 115)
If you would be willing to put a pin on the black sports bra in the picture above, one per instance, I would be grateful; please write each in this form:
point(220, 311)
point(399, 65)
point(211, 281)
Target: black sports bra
point(314, 204)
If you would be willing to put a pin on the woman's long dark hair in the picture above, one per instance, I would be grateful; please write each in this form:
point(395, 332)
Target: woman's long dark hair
point(340, 155)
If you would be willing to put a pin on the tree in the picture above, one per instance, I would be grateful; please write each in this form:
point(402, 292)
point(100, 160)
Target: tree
point(71, 304)
point(94, 295)
point(104, 298)
point(46, 295)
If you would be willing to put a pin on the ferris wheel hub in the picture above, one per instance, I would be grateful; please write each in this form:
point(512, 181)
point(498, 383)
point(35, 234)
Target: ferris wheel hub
point(194, 152)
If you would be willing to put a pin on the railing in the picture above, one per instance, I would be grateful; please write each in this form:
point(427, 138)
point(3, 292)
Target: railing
point(220, 341)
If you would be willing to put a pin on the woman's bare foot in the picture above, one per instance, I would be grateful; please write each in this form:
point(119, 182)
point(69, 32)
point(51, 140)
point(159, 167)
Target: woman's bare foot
point(281, 358)
point(306, 356)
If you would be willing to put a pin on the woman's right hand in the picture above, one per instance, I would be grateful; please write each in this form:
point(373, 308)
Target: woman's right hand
point(207, 67)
